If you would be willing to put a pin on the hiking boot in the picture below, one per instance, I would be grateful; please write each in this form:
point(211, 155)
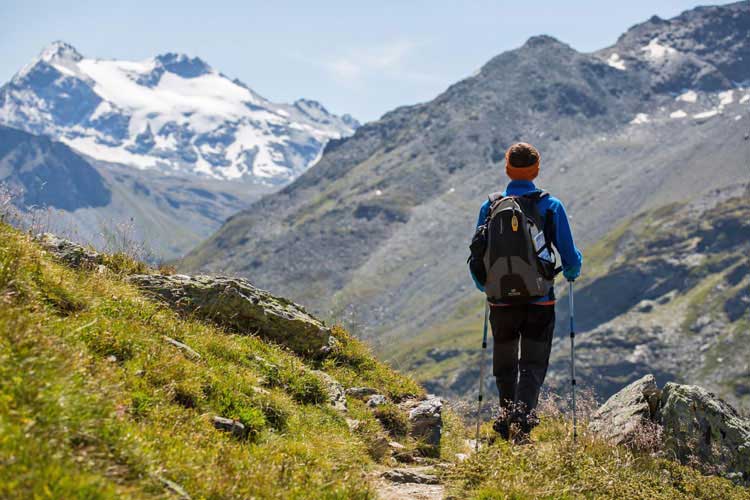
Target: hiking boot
point(502, 427)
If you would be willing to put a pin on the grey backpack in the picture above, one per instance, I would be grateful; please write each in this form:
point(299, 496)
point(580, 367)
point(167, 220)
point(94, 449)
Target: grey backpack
point(519, 259)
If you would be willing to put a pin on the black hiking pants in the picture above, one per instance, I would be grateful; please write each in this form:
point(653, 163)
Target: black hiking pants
point(520, 377)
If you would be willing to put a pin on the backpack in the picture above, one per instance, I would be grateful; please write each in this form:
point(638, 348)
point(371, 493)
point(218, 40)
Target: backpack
point(518, 259)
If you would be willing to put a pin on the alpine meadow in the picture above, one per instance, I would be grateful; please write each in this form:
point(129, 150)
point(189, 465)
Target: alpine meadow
point(531, 283)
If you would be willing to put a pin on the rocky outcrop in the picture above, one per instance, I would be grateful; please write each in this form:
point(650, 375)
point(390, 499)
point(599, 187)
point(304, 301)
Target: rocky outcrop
point(72, 254)
point(621, 418)
point(335, 391)
point(694, 426)
point(698, 425)
point(241, 307)
point(425, 419)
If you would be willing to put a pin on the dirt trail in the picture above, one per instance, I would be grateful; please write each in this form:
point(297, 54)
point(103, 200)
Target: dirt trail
point(408, 483)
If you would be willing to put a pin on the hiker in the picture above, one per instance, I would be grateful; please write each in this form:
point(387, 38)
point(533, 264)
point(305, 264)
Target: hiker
point(513, 262)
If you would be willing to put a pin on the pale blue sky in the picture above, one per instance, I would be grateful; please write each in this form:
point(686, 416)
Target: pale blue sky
point(363, 58)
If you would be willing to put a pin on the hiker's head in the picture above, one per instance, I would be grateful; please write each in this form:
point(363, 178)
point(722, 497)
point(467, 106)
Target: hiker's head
point(522, 162)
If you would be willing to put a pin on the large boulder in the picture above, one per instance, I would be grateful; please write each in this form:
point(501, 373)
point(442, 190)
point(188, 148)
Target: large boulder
point(70, 253)
point(241, 307)
point(699, 426)
point(692, 425)
point(425, 419)
point(622, 417)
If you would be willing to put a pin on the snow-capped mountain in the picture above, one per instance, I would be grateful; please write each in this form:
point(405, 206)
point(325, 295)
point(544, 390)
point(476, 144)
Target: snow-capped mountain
point(171, 113)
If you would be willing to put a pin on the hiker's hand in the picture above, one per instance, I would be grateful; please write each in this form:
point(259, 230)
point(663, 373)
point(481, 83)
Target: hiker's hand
point(571, 273)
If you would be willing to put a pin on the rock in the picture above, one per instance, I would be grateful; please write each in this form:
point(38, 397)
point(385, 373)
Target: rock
point(238, 305)
point(697, 424)
point(227, 424)
point(425, 419)
point(622, 416)
point(353, 424)
point(378, 447)
point(409, 476)
point(396, 446)
point(694, 426)
point(360, 392)
point(183, 347)
point(376, 400)
point(336, 395)
point(70, 253)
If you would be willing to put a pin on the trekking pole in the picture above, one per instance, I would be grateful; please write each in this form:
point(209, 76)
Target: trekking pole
point(572, 359)
point(481, 374)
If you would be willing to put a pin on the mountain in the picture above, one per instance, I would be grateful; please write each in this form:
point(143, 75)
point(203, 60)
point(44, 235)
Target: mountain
point(666, 291)
point(173, 114)
point(54, 188)
point(377, 231)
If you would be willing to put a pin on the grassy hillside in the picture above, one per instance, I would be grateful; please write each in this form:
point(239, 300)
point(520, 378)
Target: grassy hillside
point(95, 403)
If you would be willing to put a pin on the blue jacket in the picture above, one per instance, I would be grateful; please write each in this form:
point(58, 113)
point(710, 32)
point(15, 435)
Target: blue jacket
point(562, 238)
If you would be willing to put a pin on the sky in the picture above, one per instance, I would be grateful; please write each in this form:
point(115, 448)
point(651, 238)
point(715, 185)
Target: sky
point(356, 57)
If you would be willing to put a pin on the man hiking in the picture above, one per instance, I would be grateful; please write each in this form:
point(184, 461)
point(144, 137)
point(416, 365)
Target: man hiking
point(513, 262)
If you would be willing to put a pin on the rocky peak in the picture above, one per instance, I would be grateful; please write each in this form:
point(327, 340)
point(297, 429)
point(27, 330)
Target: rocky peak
point(182, 65)
point(706, 48)
point(60, 51)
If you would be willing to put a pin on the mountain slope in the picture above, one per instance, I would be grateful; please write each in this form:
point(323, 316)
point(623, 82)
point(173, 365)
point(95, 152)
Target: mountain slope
point(106, 393)
point(54, 188)
point(172, 113)
point(666, 292)
point(377, 231)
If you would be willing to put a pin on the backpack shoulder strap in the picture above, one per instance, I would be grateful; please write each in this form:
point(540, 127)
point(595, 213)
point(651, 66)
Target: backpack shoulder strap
point(495, 196)
point(537, 195)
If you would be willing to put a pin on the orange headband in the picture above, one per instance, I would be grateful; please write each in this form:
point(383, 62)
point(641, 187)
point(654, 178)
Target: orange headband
point(521, 173)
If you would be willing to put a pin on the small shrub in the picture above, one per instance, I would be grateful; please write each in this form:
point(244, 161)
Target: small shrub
point(393, 419)
point(306, 388)
point(253, 419)
point(140, 404)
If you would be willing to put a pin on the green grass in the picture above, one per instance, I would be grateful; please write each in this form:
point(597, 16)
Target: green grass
point(94, 403)
point(554, 468)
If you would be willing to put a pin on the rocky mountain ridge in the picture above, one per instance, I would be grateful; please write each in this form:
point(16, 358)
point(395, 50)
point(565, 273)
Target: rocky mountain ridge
point(356, 237)
point(172, 113)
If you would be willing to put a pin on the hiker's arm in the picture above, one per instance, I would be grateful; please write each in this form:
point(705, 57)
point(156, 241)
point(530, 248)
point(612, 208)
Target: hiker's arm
point(480, 221)
point(570, 255)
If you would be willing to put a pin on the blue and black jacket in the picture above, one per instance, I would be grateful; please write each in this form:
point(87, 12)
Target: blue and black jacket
point(562, 237)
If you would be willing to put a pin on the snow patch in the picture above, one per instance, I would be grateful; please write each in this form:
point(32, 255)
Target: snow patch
point(738, 118)
point(706, 114)
point(726, 97)
point(689, 96)
point(616, 62)
point(378, 192)
point(745, 99)
point(656, 51)
point(678, 114)
point(639, 119)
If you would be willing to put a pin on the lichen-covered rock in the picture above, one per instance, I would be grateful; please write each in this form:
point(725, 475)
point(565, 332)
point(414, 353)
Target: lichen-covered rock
point(238, 305)
point(699, 425)
point(409, 476)
point(376, 400)
point(620, 419)
point(237, 429)
point(425, 419)
point(360, 392)
point(68, 252)
point(336, 394)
